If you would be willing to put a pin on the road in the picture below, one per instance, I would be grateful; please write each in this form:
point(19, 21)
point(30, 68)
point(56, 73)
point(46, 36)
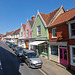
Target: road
point(12, 65)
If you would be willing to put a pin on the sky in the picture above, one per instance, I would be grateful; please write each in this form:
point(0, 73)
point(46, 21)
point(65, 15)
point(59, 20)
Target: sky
point(15, 12)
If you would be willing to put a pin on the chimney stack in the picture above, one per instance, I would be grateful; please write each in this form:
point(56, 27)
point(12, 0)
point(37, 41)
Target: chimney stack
point(33, 18)
point(67, 9)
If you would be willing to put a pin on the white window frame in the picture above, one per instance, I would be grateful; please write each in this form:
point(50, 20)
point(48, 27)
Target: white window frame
point(70, 33)
point(71, 55)
point(52, 34)
point(37, 30)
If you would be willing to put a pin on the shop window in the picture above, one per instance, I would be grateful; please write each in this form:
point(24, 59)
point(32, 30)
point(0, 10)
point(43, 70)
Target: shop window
point(72, 52)
point(54, 50)
point(45, 48)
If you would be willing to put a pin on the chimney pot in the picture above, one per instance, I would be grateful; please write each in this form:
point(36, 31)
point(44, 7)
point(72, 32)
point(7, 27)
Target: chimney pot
point(33, 18)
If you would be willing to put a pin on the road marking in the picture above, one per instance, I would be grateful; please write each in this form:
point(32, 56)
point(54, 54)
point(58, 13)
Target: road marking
point(42, 71)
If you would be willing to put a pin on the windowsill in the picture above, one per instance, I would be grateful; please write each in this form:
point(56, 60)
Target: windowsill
point(54, 37)
point(39, 35)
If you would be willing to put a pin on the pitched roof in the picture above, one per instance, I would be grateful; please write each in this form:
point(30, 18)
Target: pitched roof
point(24, 26)
point(17, 31)
point(48, 17)
point(9, 33)
point(68, 15)
point(31, 23)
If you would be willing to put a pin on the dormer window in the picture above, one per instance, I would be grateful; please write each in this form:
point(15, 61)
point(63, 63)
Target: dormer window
point(54, 33)
point(39, 30)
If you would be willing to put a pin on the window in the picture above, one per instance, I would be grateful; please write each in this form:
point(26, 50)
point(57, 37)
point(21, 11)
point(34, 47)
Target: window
point(73, 29)
point(27, 33)
point(54, 34)
point(72, 54)
point(21, 34)
point(54, 50)
point(38, 30)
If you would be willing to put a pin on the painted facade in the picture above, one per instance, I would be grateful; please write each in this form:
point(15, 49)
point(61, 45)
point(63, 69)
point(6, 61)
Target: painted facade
point(64, 27)
point(21, 38)
point(42, 21)
point(44, 36)
point(28, 32)
point(16, 36)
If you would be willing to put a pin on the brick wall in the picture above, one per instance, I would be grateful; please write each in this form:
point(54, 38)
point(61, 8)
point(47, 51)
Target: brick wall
point(62, 30)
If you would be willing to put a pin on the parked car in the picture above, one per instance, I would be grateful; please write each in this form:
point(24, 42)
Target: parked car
point(14, 47)
point(18, 51)
point(31, 59)
point(10, 45)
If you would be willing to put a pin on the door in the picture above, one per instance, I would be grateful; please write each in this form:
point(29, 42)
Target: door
point(27, 44)
point(63, 56)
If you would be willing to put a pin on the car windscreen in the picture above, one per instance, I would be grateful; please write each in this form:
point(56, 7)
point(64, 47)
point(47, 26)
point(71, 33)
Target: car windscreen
point(14, 45)
point(32, 55)
point(19, 48)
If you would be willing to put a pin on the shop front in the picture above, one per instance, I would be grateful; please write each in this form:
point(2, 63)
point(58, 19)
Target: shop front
point(58, 52)
point(42, 46)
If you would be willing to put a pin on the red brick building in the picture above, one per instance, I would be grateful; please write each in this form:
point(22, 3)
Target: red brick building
point(62, 39)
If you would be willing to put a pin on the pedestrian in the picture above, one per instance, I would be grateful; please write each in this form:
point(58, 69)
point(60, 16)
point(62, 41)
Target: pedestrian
point(31, 48)
point(37, 52)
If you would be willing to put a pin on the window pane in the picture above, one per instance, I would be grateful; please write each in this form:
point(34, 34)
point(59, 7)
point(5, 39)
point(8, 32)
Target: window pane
point(65, 54)
point(54, 33)
point(73, 32)
point(61, 53)
point(54, 50)
point(73, 26)
point(73, 54)
point(39, 30)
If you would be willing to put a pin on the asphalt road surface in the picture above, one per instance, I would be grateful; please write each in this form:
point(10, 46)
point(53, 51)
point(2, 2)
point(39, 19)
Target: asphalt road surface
point(12, 65)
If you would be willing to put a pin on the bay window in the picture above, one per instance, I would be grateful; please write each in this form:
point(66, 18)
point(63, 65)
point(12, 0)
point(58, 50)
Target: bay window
point(72, 54)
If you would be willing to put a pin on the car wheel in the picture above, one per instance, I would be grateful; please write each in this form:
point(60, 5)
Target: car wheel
point(29, 65)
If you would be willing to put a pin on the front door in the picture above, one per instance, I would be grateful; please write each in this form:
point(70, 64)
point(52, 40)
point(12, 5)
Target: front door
point(27, 44)
point(63, 56)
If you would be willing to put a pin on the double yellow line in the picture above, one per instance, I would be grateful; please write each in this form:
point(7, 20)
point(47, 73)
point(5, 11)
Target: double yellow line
point(42, 72)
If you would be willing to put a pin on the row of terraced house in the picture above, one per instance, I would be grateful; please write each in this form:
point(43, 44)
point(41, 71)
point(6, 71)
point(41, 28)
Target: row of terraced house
point(53, 34)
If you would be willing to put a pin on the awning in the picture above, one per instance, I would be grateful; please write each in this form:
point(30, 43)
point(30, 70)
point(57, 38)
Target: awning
point(58, 43)
point(36, 42)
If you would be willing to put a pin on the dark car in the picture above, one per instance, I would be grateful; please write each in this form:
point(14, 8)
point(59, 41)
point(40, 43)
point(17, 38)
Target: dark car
point(14, 47)
point(10, 45)
point(18, 51)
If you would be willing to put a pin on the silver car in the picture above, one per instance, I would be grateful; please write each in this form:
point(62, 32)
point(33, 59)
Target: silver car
point(31, 59)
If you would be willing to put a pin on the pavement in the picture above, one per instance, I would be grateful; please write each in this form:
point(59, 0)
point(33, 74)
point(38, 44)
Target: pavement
point(12, 65)
point(53, 68)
